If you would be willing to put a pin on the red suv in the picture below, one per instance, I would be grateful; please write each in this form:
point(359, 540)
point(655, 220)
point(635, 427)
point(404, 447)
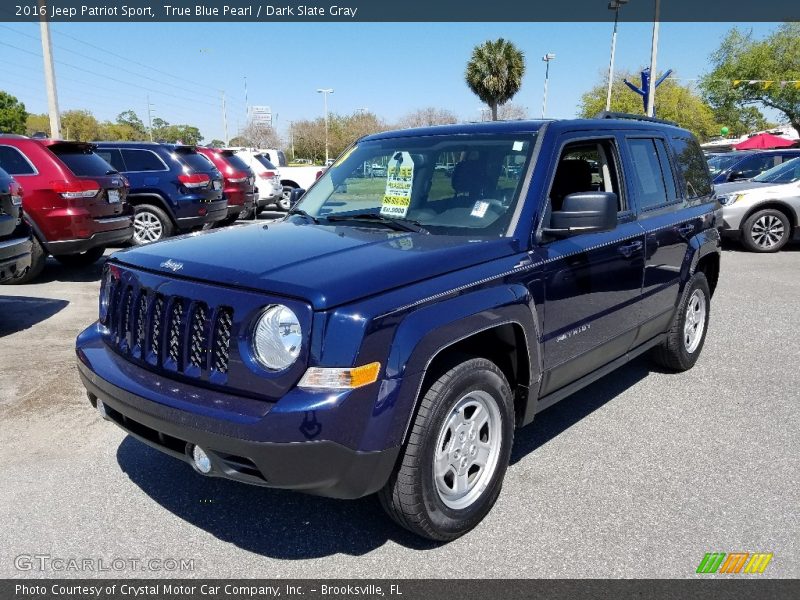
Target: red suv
point(75, 201)
point(240, 182)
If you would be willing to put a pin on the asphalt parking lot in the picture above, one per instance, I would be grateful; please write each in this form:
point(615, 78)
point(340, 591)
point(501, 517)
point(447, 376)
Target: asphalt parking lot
point(637, 476)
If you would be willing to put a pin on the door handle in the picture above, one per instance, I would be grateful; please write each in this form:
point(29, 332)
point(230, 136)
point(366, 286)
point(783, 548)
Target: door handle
point(686, 229)
point(629, 250)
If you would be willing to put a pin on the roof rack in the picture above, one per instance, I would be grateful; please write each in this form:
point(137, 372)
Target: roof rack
point(605, 114)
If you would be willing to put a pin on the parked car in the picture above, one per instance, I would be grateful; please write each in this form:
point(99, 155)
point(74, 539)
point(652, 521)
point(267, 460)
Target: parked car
point(174, 188)
point(406, 334)
point(15, 235)
point(239, 183)
point(746, 164)
point(764, 212)
point(293, 177)
point(75, 202)
point(268, 179)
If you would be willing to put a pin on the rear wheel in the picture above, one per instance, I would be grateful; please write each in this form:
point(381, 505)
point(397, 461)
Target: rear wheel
point(767, 230)
point(451, 469)
point(83, 259)
point(150, 224)
point(285, 202)
point(38, 261)
point(687, 334)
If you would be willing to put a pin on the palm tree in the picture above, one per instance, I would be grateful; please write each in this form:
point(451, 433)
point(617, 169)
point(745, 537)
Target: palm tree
point(494, 72)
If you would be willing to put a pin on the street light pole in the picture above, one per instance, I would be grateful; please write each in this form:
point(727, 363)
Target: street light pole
point(49, 75)
point(546, 59)
point(651, 91)
point(614, 5)
point(325, 92)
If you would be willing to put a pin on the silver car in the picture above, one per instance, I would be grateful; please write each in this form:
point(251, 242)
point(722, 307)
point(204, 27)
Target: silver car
point(763, 212)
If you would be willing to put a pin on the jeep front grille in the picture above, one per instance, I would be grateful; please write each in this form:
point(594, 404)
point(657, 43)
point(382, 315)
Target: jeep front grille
point(172, 333)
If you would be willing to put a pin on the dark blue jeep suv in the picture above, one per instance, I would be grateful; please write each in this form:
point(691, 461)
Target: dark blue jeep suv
point(174, 188)
point(395, 330)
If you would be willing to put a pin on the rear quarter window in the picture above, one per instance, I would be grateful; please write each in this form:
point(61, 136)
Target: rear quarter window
point(83, 162)
point(693, 167)
point(14, 163)
point(195, 160)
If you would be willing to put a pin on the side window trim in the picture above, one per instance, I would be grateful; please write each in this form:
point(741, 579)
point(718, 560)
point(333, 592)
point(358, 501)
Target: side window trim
point(34, 170)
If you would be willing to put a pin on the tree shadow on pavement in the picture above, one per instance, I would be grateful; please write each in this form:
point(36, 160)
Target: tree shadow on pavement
point(563, 415)
point(18, 313)
point(275, 523)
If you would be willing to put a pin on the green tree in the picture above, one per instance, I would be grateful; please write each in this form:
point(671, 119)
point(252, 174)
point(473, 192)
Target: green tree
point(132, 120)
point(215, 143)
point(674, 102)
point(494, 72)
point(425, 117)
point(740, 58)
point(37, 124)
point(741, 120)
point(118, 132)
point(79, 125)
point(239, 140)
point(12, 114)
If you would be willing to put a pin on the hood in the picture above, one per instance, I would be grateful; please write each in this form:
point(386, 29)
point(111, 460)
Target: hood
point(737, 186)
point(324, 264)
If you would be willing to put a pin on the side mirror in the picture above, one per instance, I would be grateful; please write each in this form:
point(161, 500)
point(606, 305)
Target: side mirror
point(295, 195)
point(584, 212)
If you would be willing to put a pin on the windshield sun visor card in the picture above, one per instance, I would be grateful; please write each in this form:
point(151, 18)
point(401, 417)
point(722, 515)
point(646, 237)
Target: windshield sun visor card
point(479, 210)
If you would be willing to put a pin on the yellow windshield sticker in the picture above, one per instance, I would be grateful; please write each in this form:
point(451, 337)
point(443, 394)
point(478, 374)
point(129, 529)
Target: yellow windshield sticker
point(399, 182)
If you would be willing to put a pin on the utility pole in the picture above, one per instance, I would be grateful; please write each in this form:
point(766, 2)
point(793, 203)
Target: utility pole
point(291, 137)
point(246, 102)
point(325, 92)
point(224, 118)
point(614, 5)
point(49, 74)
point(150, 117)
point(651, 91)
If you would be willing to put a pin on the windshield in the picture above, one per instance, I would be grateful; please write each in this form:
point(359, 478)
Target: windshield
point(788, 172)
point(722, 162)
point(236, 161)
point(447, 184)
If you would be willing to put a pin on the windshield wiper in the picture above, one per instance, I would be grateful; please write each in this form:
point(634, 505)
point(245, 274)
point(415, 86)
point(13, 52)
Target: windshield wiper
point(302, 213)
point(396, 223)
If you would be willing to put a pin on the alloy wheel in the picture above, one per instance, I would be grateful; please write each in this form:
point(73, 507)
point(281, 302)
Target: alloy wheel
point(147, 227)
point(767, 231)
point(695, 321)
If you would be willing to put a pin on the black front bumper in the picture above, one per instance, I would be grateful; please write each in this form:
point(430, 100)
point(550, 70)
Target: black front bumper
point(102, 238)
point(15, 255)
point(323, 468)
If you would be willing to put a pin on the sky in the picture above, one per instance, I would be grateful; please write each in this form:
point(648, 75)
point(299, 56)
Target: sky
point(387, 68)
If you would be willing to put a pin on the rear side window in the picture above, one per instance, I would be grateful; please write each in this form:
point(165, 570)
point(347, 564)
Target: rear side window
point(194, 160)
point(81, 160)
point(693, 167)
point(265, 163)
point(142, 160)
point(649, 180)
point(236, 162)
point(14, 163)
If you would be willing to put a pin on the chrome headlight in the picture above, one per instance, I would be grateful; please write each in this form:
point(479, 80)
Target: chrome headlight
point(728, 200)
point(277, 338)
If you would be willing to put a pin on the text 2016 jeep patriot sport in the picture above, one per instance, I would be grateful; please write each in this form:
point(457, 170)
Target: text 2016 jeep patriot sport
point(417, 318)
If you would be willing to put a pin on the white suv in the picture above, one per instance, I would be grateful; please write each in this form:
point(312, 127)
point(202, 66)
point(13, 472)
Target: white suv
point(268, 180)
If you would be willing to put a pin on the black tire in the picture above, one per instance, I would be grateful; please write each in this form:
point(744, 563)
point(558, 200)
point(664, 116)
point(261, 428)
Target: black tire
point(38, 261)
point(84, 259)
point(411, 497)
point(674, 354)
point(149, 212)
point(766, 230)
point(229, 220)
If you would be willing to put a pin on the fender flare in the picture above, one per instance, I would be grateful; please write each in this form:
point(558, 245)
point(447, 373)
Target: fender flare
point(159, 201)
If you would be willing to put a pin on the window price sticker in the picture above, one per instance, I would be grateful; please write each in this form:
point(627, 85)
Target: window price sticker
point(399, 182)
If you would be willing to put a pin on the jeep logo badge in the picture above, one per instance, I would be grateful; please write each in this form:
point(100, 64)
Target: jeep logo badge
point(172, 265)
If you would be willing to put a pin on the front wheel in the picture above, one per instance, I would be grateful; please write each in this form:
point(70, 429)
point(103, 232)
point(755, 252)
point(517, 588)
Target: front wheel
point(766, 231)
point(451, 469)
point(285, 201)
point(687, 333)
